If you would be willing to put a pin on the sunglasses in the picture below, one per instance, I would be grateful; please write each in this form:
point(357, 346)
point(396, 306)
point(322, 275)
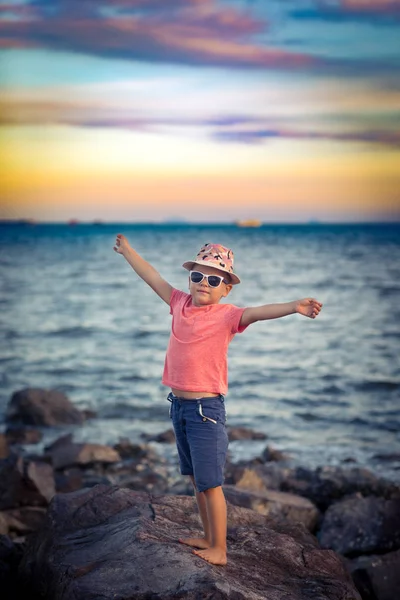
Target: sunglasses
point(212, 280)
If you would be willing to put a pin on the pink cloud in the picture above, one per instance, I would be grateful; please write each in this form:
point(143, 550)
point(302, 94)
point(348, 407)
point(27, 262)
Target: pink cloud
point(190, 32)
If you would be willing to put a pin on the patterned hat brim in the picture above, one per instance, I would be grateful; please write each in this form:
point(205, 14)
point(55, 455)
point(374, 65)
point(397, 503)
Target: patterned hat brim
point(188, 265)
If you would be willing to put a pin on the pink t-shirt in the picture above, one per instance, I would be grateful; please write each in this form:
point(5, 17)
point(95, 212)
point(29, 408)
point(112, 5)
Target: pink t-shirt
point(196, 359)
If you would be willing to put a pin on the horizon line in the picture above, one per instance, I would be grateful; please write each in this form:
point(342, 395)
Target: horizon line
point(241, 223)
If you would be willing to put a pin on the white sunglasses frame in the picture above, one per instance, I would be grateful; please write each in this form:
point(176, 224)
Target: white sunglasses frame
point(221, 279)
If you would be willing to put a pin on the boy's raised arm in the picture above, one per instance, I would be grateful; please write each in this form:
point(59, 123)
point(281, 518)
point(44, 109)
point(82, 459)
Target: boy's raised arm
point(144, 269)
point(308, 307)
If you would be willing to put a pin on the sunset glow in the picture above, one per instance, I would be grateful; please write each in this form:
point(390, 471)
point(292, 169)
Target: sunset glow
point(203, 110)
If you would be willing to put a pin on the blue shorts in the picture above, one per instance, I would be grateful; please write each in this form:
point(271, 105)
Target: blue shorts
point(201, 438)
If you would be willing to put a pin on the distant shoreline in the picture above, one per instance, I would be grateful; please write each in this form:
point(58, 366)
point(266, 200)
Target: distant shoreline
point(97, 223)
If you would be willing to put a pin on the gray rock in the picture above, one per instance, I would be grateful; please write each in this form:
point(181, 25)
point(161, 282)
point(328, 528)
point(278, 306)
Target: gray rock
point(166, 437)
point(15, 522)
point(23, 435)
point(66, 453)
point(377, 576)
point(322, 486)
point(4, 450)
point(360, 525)
point(244, 433)
point(273, 503)
point(10, 556)
point(25, 482)
point(36, 406)
point(109, 542)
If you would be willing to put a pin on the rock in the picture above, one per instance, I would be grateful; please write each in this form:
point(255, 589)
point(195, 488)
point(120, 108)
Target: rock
point(273, 503)
point(270, 454)
point(36, 406)
point(244, 433)
point(360, 525)
point(4, 450)
point(327, 484)
point(109, 542)
point(25, 482)
point(10, 556)
point(322, 486)
point(65, 453)
point(249, 480)
point(377, 576)
point(126, 449)
point(23, 435)
point(262, 476)
point(234, 433)
point(20, 521)
point(167, 437)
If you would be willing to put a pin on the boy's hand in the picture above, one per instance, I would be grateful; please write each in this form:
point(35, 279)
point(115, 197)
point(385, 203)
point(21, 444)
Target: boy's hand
point(121, 244)
point(308, 307)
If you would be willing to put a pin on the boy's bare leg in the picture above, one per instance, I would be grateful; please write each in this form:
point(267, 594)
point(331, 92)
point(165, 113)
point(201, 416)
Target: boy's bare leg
point(216, 512)
point(202, 542)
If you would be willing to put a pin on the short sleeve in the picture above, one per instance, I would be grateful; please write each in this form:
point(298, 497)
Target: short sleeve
point(177, 297)
point(233, 316)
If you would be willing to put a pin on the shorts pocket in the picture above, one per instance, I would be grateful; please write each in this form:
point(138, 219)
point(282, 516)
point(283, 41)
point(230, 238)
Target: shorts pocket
point(211, 414)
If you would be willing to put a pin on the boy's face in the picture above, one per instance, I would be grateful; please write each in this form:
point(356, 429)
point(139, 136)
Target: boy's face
point(202, 293)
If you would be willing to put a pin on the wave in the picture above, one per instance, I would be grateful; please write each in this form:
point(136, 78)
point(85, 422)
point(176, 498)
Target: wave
point(377, 385)
point(76, 331)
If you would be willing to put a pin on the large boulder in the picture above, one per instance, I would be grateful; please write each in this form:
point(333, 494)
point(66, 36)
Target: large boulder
point(273, 503)
point(360, 525)
point(109, 542)
point(36, 406)
point(377, 576)
point(322, 486)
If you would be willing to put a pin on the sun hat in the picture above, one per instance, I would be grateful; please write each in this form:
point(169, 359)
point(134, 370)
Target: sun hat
point(217, 256)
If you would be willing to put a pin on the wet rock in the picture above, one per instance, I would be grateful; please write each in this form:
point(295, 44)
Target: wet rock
point(65, 453)
point(273, 503)
point(377, 577)
point(244, 433)
point(263, 476)
point(10, 556)
point(4, 450)
point(25, 482)
point(126, 449)
point(166, 437)
point(249, 480)
point(324, 485)
point(360, 525)
point(270, 454)
point(23, 435)
point(36, 406)
point(109, 542)
point(20, 521)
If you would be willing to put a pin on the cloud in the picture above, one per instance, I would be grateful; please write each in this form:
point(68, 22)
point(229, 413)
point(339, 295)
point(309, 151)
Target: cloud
point(224, 128)
point(194, 32)
point(380, 137)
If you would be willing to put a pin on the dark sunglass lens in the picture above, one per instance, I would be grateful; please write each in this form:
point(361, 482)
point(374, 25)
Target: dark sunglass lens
point(214, 281)
point(196, 277)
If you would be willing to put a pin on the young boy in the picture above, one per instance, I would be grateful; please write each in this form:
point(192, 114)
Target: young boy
point(196, 371)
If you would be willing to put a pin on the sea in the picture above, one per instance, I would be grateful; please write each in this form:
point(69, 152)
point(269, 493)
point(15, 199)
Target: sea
point(76, 318)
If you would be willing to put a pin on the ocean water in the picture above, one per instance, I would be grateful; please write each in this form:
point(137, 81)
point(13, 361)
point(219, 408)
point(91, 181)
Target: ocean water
point(76, 318)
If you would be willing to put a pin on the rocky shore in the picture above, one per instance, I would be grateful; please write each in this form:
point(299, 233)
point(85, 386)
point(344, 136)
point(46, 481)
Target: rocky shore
point(88, 521)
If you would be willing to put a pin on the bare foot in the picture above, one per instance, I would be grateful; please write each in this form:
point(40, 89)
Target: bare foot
point(196, 542)
point(215, 556)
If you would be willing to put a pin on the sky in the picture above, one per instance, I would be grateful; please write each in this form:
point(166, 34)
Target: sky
point(203, 110)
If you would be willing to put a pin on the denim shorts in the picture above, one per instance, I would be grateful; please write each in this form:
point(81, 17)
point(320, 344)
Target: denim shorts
point(201, 438)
